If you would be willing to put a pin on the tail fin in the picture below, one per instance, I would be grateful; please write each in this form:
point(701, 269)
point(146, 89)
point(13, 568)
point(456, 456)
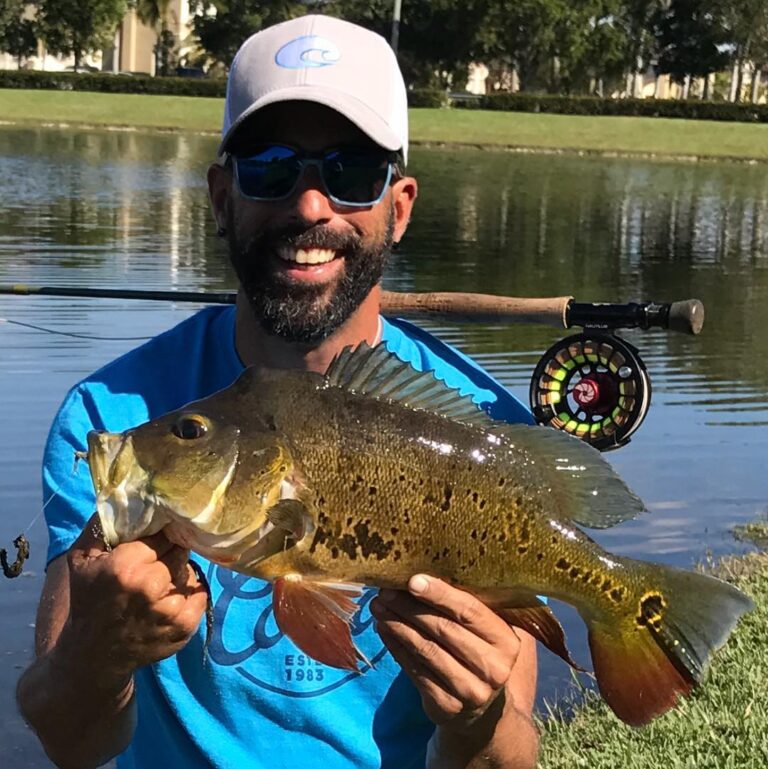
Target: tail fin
point(661, 649)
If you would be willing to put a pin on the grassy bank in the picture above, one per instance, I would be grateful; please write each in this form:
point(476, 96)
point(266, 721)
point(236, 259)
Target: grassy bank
point(723, 726)
point(535, 132)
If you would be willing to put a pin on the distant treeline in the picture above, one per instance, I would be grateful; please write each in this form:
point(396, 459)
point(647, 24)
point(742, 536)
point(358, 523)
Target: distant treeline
point(552, 46)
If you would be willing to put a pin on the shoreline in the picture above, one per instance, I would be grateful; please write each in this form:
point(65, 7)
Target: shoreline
point(521, 149)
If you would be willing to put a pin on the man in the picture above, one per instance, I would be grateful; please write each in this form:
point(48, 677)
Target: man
point(310, 192)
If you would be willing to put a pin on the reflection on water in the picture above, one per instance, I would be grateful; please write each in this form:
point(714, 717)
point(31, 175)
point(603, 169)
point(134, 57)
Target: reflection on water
point(125, 209)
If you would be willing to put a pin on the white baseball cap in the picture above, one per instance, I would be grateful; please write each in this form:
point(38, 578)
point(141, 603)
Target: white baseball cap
point(324, 60)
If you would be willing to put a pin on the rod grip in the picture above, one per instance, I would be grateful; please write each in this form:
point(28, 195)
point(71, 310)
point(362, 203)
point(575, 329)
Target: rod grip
point(686, 316)
point(480, 308)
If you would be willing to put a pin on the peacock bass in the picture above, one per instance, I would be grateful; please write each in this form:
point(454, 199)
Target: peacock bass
point(373, 472)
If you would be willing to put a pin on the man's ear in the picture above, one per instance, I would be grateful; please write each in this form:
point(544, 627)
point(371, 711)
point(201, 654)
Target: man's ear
point(219, 191)
point(404, 192)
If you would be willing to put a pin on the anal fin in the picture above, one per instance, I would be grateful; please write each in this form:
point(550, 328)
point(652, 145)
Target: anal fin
point(541, 623)
point(528, 612)
point(316, 617)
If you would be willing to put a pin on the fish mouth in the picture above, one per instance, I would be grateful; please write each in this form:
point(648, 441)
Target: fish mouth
point(123, 503)
point(103, 449)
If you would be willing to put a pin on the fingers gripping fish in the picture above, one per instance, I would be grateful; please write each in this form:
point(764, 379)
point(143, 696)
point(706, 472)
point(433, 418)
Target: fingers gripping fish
point(374, 472)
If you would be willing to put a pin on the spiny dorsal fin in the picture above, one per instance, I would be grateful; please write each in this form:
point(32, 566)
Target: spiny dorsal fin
point(378, 373)
point(587, 489)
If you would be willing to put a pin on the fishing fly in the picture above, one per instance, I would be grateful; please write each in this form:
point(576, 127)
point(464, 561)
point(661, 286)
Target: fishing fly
point(12, 570)
point(21, 543)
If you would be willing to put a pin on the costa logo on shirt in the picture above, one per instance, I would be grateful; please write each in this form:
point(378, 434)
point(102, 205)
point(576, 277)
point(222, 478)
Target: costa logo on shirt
point(306, 52)
point(246, 637)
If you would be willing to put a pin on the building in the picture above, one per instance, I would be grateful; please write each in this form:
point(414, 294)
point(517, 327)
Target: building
point(133, 49)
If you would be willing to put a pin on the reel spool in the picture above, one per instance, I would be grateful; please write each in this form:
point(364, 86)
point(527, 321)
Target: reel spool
point(594, 386)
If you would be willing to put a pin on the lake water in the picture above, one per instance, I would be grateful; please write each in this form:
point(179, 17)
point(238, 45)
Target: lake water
point(116, 209)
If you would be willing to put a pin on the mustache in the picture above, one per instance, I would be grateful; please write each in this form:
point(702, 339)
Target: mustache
point(301, 237)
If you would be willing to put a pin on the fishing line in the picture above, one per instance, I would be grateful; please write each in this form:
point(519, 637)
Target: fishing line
point(77, 336)
point(21, 543)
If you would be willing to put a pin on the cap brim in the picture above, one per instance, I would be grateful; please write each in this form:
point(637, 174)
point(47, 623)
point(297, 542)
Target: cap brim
point(354, 110)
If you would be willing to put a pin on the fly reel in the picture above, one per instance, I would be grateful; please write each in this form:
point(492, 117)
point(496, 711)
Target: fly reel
point(594, 386)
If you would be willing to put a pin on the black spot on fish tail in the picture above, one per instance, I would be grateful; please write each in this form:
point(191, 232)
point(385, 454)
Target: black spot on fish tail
point(203, 579)
point(617, 594)
point(651, 610)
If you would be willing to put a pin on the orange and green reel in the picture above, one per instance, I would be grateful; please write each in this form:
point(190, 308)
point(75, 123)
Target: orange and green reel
point(594, 386)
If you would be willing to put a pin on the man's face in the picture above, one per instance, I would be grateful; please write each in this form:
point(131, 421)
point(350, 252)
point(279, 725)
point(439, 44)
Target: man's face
point(305, 263)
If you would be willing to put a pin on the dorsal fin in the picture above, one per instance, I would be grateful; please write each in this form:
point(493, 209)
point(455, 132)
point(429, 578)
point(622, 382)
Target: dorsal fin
point(585, 487)
point(378, 373)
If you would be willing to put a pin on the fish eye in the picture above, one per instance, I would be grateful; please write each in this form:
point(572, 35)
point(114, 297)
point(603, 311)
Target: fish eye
point(190, 428)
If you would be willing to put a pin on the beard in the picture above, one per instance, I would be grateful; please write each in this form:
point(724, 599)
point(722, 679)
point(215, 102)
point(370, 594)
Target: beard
point(307, 313)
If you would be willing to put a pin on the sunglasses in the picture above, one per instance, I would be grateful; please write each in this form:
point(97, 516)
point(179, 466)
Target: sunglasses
point(350, 177)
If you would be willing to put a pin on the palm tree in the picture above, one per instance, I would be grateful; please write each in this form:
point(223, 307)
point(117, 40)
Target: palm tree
point(154, 13)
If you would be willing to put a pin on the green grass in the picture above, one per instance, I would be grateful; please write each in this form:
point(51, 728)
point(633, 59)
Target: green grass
point(722, 726)
point(620, 135)
point(187, 113)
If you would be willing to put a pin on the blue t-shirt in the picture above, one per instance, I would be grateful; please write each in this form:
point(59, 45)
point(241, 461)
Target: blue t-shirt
point(256, 700)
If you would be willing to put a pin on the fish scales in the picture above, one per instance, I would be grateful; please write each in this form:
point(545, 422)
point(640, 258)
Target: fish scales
point(375, 472)
point(424, 495)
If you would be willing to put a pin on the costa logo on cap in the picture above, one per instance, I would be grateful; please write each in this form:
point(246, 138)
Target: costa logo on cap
point(306, 52)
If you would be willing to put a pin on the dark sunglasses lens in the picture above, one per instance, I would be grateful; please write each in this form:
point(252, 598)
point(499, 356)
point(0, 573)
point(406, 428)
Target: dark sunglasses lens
point(270, 173)
point(355, 177)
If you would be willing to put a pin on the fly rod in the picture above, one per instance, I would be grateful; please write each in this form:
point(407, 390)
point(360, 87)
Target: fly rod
point(562, 312)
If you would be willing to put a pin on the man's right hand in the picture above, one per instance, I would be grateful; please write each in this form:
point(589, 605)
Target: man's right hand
point(131, 605)
point(104, 613)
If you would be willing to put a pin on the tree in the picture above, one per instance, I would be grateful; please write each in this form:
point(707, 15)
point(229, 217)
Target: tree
point(692, 40)
point(636, 17)
point(522, 35)
point(437, 39)
point(589, 45)
point(223, 25)
point(19, 38)
point(18, 35)
point(154, 13)
point(79, 27)
point(746, 22)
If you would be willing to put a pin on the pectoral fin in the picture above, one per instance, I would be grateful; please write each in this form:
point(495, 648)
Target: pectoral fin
point(316, 617)
point(291, 515)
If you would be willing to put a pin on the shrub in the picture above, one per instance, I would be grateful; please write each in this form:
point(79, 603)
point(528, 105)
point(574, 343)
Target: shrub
point(589, 105)
point(428, 97)
point(109, 83)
